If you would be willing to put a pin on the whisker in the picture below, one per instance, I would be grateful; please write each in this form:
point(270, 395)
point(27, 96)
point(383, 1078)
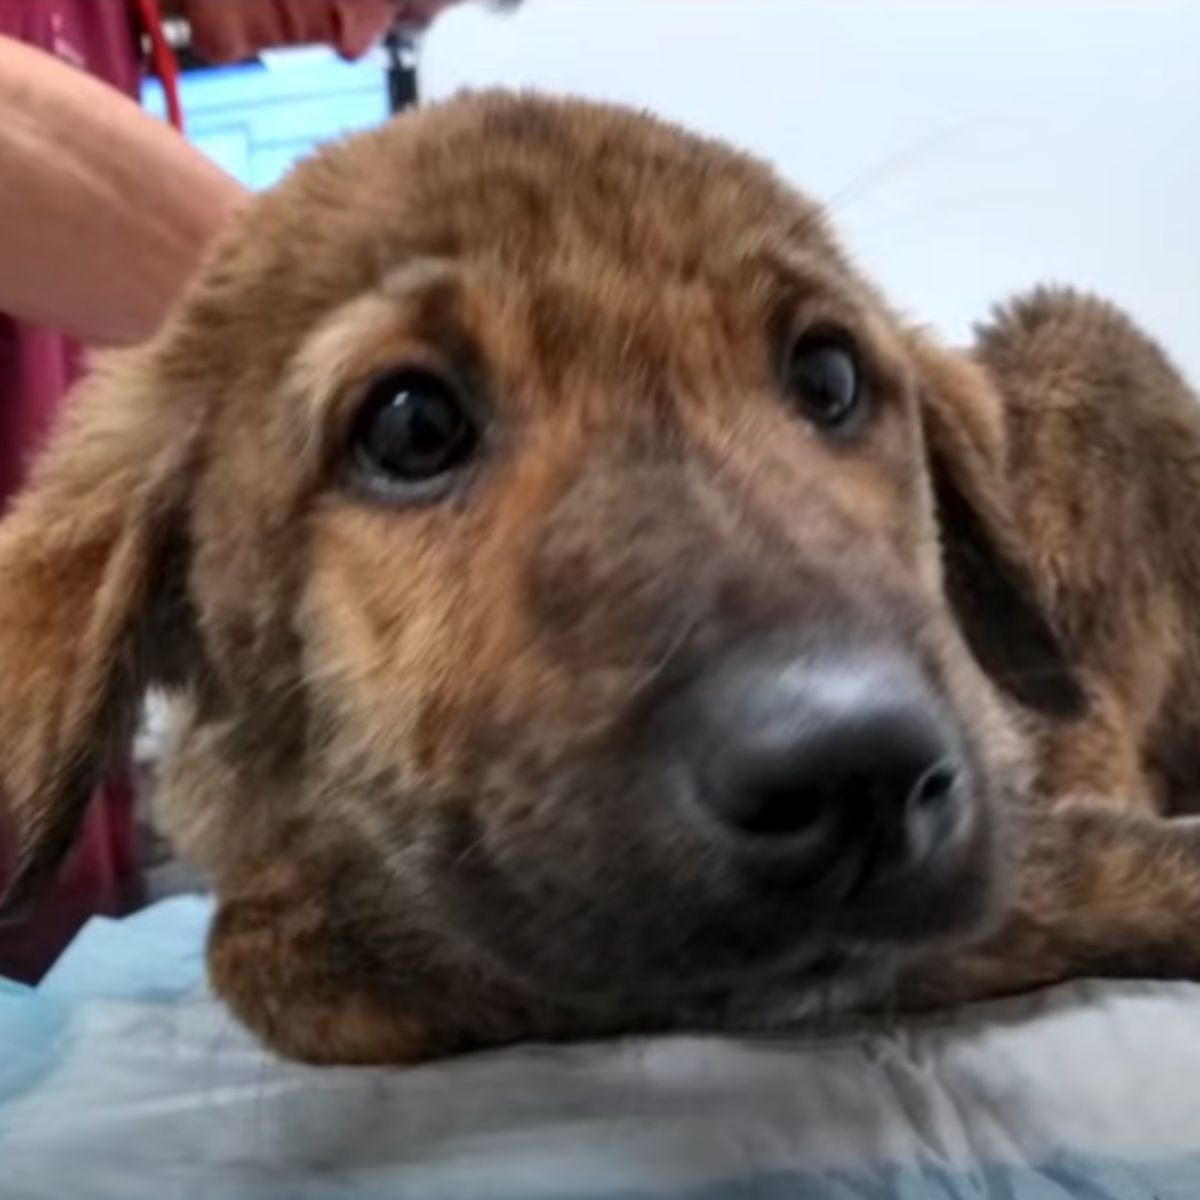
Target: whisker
point(659, 667)
point(868, 180)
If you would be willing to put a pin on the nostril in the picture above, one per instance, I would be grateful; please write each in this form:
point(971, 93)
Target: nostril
point(934, 787)
point(856, 777)
point(777, 807)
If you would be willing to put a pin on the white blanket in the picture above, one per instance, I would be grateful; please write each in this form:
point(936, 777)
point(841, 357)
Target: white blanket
point(121, 1078)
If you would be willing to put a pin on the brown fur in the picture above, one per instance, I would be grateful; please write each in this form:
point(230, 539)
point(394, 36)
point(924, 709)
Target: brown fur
point(420, 747)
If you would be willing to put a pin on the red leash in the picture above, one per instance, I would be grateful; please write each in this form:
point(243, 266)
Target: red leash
point(166, 65)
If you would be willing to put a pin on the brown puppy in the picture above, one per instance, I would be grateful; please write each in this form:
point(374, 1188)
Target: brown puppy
point(593, 608)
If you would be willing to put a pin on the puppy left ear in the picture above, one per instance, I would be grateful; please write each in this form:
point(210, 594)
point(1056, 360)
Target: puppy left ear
point(986, 577)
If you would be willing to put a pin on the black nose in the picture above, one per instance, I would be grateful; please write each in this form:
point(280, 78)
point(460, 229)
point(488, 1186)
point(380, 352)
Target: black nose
point(813, 764)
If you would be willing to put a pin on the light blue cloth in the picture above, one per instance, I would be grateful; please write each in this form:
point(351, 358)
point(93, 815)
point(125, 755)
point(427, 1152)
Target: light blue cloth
point(121, 1078)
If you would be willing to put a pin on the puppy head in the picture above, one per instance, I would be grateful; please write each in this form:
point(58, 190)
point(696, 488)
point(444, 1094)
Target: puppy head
point(577, 582)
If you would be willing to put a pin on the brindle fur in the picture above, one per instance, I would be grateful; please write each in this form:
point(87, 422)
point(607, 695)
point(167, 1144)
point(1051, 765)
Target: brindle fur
point(418, 748)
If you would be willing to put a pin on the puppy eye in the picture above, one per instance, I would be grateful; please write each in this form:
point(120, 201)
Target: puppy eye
point(824, 382)
point(412, 430)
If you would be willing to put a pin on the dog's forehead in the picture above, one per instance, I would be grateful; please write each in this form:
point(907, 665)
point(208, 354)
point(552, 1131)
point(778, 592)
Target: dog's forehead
point(527, 183)
point(530, 180)
point(504, 175)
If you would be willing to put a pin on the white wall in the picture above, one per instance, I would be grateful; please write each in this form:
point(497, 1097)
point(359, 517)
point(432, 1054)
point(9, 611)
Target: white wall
point(968, 148)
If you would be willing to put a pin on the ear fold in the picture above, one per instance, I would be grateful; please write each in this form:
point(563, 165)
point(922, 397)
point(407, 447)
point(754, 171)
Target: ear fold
point(985, 576)
point(85, 584)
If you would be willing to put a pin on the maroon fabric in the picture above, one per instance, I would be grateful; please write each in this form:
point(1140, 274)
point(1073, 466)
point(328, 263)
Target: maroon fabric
point(36, 368)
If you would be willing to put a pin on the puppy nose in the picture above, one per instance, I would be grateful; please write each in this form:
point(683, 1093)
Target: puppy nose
point(841, 761)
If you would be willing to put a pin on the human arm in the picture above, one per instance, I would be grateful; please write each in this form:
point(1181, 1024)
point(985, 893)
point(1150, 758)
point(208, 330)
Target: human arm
point(104, 210)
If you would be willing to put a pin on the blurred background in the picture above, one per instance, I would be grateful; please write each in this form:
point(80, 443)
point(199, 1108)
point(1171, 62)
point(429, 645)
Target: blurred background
point(966, 148)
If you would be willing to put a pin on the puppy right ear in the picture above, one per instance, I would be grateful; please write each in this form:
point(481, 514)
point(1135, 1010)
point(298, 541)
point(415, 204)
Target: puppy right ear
point(91, 596)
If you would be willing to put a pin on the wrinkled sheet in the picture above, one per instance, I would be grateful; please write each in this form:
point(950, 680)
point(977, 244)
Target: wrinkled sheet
point(121, 1078)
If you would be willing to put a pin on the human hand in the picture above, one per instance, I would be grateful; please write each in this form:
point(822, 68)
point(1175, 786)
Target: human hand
point(224, 32)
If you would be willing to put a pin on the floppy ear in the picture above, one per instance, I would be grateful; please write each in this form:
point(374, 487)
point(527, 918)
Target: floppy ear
point(87, 583)
point(985, 576)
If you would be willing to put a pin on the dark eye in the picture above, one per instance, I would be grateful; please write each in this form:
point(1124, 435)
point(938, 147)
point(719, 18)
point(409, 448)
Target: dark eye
point(823, 381)
point(413, 430)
